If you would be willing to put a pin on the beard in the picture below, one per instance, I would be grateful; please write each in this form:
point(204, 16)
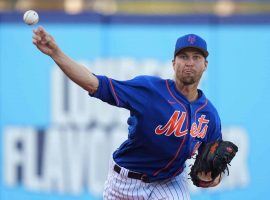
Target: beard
point(187, 76)
point(188, 80)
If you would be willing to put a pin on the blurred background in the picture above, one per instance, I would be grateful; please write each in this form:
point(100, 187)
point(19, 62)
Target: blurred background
point(55, 141)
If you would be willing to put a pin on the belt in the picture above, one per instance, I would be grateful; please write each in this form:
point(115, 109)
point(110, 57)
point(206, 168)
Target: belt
point(134, 175)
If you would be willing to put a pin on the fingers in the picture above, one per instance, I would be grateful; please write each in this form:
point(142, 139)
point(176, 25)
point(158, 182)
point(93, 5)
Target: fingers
point(40, 31)
point(44, 41)
point(36, 39)
point(47, 39)
point(40, 36)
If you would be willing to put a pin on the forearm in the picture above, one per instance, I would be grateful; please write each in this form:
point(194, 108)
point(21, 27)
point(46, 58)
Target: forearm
point(76, 72)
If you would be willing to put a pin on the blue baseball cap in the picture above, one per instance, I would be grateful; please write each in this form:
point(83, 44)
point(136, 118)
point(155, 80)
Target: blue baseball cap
point(193, 41)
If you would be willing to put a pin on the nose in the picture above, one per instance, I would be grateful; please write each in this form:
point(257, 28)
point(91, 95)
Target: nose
point(189, 62)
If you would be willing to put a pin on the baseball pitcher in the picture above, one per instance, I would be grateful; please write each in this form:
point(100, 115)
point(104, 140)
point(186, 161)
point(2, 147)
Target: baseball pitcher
point(169, 121)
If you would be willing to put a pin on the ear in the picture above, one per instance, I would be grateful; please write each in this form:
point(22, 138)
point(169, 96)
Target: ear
point(205, 65)
point(173, 64)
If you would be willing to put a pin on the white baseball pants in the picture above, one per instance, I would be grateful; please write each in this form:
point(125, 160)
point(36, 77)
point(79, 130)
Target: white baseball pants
point(119, 186)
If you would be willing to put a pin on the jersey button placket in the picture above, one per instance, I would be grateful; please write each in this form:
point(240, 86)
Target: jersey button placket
point(190, 115)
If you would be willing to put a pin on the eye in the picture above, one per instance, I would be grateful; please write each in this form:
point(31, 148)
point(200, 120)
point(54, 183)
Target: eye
point(196, 57)
point(182, 56)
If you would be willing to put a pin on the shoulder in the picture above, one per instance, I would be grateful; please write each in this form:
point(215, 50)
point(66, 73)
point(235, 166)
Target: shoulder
point(211, 106)
point(213, 112)
point(147, 80)
point(135, 80)
point(203, 101)
point(208, 106)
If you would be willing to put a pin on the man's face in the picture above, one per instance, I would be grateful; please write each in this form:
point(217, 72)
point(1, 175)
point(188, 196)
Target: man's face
point(189, 65)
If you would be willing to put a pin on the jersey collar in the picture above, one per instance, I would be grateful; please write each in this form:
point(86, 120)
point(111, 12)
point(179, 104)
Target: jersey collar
point(181, 97)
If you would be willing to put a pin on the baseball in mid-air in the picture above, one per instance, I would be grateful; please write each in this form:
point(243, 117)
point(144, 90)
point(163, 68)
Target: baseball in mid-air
point(30, 17)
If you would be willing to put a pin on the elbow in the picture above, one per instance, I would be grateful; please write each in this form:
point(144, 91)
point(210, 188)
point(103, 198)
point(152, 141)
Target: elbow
point(90, 89)
point(89, 83)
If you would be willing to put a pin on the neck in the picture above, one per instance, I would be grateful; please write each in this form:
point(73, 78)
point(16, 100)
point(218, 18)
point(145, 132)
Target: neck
point(189, 91)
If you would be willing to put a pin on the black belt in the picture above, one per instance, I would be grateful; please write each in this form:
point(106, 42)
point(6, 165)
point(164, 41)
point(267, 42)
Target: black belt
point(134, 175)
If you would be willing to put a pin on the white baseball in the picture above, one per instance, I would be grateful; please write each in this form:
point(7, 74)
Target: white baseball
point(30, 17)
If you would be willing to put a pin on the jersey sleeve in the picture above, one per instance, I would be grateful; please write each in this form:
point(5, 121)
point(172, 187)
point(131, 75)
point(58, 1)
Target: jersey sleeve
point(131, 94)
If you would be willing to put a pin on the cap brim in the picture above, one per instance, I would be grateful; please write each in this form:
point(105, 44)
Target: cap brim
point(204, 53)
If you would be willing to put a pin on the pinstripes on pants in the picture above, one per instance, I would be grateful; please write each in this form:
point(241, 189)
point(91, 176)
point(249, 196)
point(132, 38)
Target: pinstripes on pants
point(120, 187)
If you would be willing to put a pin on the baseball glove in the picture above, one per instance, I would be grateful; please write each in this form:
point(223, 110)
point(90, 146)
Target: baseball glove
point(215, 158)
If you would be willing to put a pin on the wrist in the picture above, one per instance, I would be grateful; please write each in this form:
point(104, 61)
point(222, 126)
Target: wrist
point(56, 54)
